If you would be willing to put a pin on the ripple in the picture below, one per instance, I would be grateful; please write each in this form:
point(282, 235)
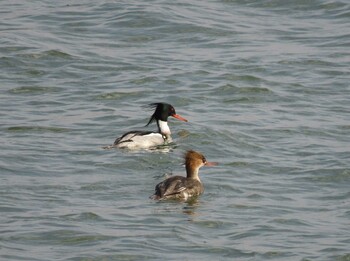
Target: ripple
point(229, 88)
point(337, 177)
point(86, 216)
point(37, 129)
point(289, 222)
point(34, 90)
point(209, 224)
point(238, 164)
point(67, 237)
point(344, 257)
point(117, 95)
point(100, 186)
point(144, 80)
point(55, 237)
point(50, 54)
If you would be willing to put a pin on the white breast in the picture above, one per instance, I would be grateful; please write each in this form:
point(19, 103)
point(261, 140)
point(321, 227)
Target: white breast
point(164, 128)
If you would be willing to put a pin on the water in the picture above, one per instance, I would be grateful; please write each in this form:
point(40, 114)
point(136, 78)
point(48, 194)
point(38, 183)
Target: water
point(264, 85)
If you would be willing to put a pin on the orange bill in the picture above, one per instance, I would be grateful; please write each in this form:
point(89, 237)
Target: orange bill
point(177, 116)
point(211, 164)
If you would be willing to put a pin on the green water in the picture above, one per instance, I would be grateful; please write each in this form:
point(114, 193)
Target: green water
point(264, 85)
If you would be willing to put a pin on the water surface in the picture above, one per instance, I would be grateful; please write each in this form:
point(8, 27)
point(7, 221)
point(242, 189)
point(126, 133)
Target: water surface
point(264, 85)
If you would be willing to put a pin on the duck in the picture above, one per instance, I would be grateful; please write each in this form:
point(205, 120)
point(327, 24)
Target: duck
point(184, 188)
point(150, 139)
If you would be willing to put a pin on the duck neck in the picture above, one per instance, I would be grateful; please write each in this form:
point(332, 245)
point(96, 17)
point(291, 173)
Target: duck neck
point(163, 128)
point(192, 173)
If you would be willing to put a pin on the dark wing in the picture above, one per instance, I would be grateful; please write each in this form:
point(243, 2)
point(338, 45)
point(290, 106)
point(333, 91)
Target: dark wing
point(170, 186)
point(127, 137)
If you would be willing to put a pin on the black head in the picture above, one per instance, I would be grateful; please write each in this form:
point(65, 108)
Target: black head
point(162, 111)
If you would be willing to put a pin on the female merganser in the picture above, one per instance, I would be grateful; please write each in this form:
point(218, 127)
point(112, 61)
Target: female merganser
point(149, 139)
point(183, 188)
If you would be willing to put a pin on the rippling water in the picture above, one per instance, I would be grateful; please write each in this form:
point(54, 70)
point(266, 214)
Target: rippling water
point(264, 85)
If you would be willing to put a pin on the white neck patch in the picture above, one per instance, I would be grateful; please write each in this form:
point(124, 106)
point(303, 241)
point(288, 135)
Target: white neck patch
point(164, 128)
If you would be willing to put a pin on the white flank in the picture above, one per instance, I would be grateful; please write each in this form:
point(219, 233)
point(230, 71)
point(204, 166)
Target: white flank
point(186, 196)
point(133, 141)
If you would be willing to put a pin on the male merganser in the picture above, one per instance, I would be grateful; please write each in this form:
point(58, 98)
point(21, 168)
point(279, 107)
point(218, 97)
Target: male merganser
point(149, 139)
point(183, 188)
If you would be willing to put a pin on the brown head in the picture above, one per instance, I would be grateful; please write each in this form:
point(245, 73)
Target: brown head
point(193, 161)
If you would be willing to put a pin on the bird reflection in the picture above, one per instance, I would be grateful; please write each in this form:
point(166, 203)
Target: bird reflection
point(191, 207)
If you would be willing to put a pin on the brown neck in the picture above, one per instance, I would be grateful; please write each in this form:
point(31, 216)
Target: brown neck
point(192, 172)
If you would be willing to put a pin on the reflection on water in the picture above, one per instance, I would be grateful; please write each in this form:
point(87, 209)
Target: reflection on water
point(191, 206)
point(188, 207)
